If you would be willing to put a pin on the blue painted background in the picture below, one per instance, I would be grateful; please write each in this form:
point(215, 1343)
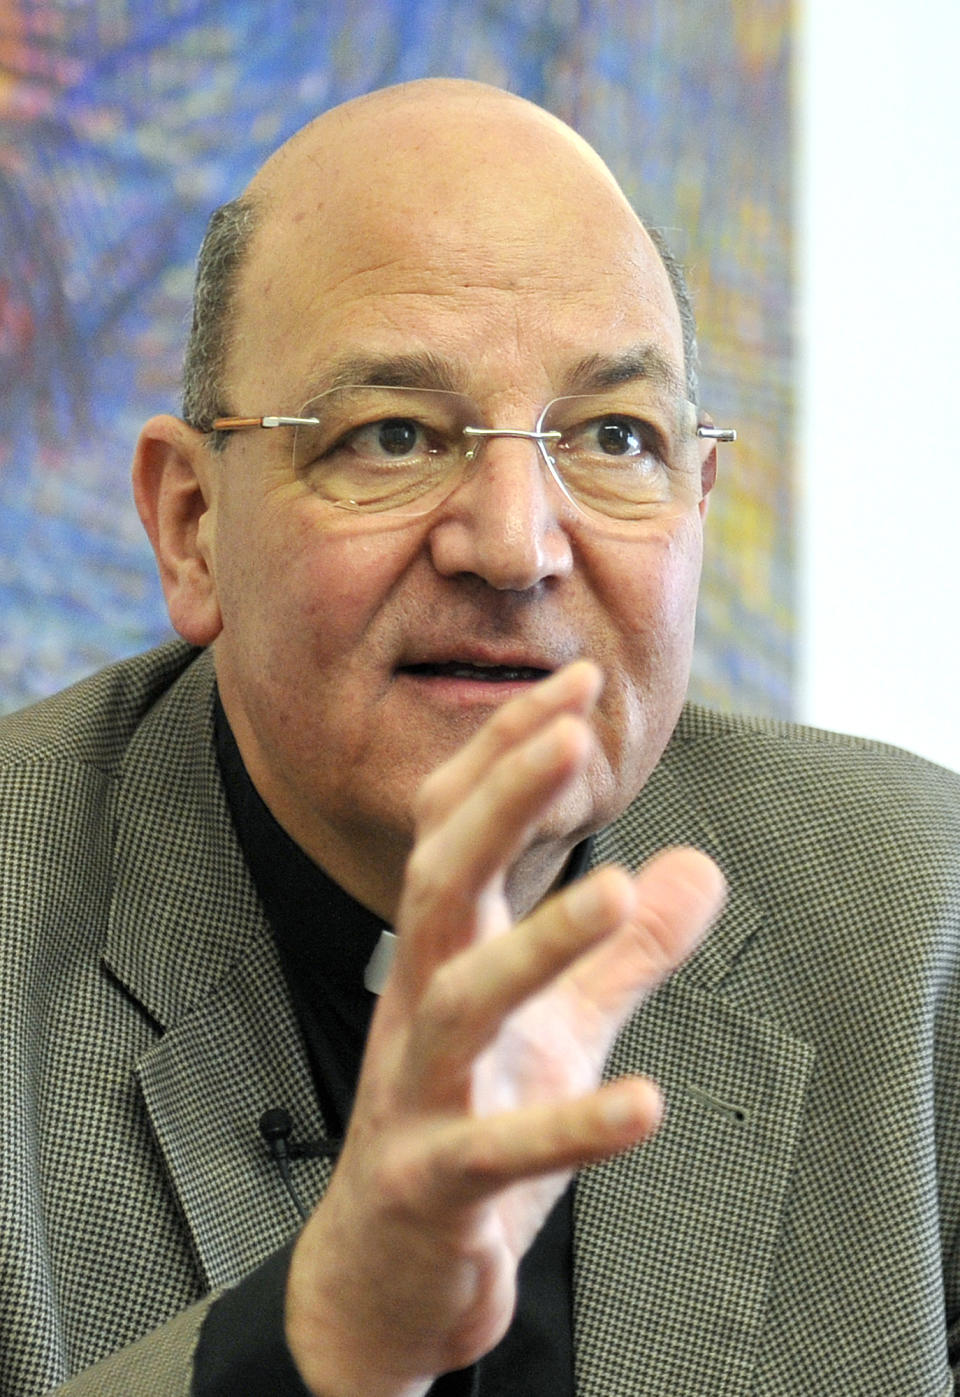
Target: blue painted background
point(123, 122)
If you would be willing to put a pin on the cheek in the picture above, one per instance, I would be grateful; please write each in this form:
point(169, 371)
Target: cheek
point(651, 594)
point(295, 584)
point(305, 653)
point(650, 597)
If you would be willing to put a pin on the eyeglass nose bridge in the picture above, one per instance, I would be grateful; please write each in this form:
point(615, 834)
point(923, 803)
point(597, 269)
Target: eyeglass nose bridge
point(541, 438)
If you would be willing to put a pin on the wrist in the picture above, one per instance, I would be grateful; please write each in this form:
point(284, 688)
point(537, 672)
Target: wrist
point(333, 1341)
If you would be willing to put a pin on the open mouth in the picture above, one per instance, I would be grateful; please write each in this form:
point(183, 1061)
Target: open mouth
point(490, 674)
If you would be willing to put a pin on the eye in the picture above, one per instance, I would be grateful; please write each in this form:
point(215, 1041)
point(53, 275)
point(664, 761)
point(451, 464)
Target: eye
point(391, 436)
point(617, 436)
point(613, 437)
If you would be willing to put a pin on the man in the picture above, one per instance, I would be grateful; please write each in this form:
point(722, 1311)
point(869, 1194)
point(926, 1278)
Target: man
point(441, 638)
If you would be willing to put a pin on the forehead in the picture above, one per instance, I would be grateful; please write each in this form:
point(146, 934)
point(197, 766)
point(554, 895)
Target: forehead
point(513, 259)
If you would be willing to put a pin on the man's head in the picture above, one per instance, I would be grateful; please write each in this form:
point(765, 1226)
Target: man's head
point(452, 235)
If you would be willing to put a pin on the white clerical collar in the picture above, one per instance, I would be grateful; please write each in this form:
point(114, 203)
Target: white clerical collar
point(378, 966)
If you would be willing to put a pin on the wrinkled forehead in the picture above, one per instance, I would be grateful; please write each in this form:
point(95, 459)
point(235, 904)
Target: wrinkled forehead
point(482, 229)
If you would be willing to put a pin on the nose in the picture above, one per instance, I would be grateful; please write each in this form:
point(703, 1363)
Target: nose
point(506, 522)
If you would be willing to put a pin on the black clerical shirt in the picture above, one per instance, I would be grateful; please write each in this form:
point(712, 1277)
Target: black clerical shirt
point(324, 940)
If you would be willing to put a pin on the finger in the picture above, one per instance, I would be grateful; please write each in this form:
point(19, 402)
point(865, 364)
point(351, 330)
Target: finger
point(473, 1159)
point(467, 856)
point(678, 895)
point(573, 689)
point(473, 992)
point(611, 937)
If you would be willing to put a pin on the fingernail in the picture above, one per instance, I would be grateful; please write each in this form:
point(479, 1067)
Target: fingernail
point(622, 1105)
point(572, 675)
point(618, 1106)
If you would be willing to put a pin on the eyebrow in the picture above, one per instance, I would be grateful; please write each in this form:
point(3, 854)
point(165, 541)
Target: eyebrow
point(591, 374)
point(389, 371)
point(647, 361)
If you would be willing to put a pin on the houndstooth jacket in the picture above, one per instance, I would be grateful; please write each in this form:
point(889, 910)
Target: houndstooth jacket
point(793, 1228)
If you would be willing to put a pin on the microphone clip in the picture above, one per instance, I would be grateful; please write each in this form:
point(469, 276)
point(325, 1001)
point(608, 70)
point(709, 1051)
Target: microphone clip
point(276, 1127)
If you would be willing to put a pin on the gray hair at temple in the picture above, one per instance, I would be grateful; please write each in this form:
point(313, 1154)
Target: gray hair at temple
point(219, 260)
point(221, 255)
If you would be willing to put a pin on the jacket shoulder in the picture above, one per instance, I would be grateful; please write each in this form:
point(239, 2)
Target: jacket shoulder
point(92, 722)
point(698, 723)
point(804, 818)
point(792, 766)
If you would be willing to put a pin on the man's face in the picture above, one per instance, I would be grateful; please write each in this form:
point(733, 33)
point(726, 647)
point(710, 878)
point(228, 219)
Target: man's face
point(352, 647)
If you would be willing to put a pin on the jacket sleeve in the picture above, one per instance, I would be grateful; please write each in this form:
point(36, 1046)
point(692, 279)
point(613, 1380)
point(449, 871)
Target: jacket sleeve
point(242, 1347)
point(230, 1341)
point(227, 1343)
point(158, 1365)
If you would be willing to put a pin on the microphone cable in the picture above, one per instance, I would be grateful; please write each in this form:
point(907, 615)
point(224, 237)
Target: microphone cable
point(276, 1127)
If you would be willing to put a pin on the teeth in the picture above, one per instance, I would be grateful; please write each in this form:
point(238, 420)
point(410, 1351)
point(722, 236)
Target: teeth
point(501, 673)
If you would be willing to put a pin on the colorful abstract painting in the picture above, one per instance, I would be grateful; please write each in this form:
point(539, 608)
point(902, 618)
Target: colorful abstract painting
point(124, 122)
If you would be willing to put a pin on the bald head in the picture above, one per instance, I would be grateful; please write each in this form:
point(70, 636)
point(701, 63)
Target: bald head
point(423, 126)
point(473, 169)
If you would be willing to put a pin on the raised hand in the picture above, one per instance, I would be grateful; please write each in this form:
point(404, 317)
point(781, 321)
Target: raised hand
point(480, 1091)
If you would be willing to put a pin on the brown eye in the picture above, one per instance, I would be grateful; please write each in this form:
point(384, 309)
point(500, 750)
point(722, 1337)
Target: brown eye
point(617, 436)
point(394, 438)
point(397, 435)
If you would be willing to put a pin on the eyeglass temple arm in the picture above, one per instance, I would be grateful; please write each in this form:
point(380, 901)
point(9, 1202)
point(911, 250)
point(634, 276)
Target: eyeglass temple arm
point(240, 424)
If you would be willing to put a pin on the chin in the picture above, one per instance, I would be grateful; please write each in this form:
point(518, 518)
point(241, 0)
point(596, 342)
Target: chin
point(587, 806)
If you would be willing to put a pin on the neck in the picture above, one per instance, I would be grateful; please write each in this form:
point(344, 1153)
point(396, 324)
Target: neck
point(368, 861)
point(371, 866)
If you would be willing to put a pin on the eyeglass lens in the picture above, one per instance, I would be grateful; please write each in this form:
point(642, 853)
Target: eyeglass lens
point(623, 454)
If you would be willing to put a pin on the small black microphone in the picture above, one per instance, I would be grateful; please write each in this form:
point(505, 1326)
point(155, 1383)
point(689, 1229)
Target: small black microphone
point(276, 1127)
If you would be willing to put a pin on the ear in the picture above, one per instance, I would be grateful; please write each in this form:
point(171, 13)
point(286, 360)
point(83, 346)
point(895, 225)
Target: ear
point(174, 480)
point(708, 475)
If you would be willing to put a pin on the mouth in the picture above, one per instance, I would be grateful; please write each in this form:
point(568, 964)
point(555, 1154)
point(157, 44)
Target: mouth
point(482, 673)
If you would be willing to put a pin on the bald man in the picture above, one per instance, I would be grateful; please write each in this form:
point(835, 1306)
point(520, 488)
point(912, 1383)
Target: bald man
point(335, 997)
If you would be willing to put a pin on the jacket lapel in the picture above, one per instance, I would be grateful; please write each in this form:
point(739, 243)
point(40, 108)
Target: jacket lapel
point(206, 1084)
point(188, 940)
point(675, 1241)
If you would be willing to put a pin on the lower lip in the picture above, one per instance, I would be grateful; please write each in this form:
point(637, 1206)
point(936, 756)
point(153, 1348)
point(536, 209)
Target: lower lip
point(449, 691)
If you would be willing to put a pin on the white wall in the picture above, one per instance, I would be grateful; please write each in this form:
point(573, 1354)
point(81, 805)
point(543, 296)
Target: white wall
point(879, 353)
